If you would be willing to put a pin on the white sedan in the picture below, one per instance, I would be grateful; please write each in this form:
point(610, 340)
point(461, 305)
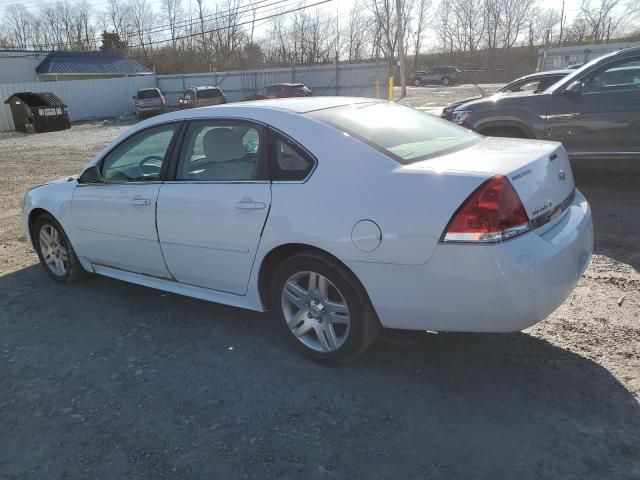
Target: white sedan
point(341, 215)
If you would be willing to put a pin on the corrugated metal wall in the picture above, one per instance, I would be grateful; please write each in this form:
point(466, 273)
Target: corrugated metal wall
point(89, 99)
point(356, 80)
point(86, 99)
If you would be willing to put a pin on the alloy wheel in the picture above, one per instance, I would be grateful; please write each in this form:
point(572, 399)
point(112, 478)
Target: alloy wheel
point(316, 312)
point(54, 252)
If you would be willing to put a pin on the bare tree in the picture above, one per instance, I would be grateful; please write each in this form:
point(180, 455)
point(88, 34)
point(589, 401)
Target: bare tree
point(172, 12)
point(603, 18)
point(419, 27)
point(142, 18)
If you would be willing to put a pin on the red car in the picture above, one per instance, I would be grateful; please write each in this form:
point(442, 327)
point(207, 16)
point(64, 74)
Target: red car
point(281, 90)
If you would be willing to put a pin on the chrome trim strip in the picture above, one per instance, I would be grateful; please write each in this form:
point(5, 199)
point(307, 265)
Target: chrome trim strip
point(208, 246)
point(553, 213)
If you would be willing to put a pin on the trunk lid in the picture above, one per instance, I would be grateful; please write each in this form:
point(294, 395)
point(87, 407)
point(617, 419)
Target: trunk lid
point(539, 171)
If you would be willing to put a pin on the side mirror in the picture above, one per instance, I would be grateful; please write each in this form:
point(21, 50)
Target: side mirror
point(91, 175)
point(574, 89)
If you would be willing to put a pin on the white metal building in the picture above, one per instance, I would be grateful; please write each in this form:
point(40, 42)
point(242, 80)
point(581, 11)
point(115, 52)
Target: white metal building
point(557, 58)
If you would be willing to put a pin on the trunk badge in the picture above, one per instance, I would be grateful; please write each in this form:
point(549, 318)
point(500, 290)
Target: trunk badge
point(562, 175)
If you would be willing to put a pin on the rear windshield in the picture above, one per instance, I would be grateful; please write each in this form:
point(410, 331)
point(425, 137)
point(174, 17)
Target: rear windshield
point(143, 94)
point(210, 93)
point(404, 134)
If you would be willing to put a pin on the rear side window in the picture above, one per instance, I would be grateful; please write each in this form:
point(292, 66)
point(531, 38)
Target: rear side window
point(402, 133)
point(210, 93)
point(145, 94)
point(288, 162)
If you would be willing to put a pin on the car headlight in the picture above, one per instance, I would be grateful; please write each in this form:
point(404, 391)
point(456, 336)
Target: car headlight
point(461, 116)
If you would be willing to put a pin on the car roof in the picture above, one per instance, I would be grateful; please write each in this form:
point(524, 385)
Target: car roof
point(204, 87)
point(285, 85)
point(545, 74)
point(300, 104)
point(148, 89)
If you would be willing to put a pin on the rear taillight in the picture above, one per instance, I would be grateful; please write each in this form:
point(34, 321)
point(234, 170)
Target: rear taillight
point(162, 100)
point(492, 213)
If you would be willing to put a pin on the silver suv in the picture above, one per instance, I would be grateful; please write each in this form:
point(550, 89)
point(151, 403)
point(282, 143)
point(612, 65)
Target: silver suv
point(148, 101)
point(443, 75)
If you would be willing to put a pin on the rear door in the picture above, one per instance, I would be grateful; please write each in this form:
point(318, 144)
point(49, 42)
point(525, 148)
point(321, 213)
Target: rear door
point(213, 208)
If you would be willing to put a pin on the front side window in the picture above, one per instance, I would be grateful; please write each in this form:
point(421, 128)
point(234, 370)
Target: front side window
point(622, 75)
point(220, 151)
point(140, 157)
point(404, 134)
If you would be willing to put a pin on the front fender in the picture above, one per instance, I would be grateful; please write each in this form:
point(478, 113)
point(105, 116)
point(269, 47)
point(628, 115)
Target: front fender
point(54, 198)
point(525, 119)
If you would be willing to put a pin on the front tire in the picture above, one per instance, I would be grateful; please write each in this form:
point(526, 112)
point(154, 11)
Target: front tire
point(446, 81)
point(54, 250)
point(321, 308)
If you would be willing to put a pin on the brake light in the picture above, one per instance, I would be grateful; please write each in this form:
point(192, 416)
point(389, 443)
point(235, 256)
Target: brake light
point(162, 99)
point(492, 213)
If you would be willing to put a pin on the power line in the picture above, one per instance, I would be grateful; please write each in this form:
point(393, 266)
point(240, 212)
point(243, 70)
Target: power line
point(183, 37)
point(212, 16)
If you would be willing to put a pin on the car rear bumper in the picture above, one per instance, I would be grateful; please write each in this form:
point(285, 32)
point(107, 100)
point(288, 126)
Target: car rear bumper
point(485, 288)
point(159, 108)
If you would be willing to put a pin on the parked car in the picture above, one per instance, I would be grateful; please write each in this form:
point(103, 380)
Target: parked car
point(281, 90)
point(201, 97)
point(341, 215)
point(442, 75)
point(148, 101)
point(594, 111)
point(575, 66)
point(535, 83)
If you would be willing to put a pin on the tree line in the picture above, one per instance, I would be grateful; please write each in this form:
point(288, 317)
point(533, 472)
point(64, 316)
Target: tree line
point(190, 35)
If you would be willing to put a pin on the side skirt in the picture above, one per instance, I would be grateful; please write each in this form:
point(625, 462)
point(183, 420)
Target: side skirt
point(178, 288)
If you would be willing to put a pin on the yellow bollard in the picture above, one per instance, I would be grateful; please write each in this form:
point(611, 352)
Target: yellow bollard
point(391, 88)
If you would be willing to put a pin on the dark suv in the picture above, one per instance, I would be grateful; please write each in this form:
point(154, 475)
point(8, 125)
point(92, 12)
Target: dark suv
point(442, 75)
point(533, 83)
point(201, 97)
point(594, 111)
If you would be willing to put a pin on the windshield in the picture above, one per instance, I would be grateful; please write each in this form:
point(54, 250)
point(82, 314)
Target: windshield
point(405, 134)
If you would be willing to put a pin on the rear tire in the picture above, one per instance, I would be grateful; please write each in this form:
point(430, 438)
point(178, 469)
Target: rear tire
point(322, 309)
point(417, 83)
point(54, 250)
point(446, 81)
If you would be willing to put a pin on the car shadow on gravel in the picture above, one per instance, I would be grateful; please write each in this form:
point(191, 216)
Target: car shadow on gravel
point(110, 380)
point(613, 192)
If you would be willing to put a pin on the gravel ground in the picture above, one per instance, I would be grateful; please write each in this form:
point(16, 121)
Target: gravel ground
point(107, 380)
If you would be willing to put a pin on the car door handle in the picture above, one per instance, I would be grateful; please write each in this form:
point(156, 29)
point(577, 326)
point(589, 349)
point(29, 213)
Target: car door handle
point(140, 202)
point(250, 205)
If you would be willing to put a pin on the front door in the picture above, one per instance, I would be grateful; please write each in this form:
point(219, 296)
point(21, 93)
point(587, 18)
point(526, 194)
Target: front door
point(114, 221)
point(605, 116)
point(212, 210)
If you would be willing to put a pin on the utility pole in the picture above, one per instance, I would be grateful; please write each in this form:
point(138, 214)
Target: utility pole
point(403, 77)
